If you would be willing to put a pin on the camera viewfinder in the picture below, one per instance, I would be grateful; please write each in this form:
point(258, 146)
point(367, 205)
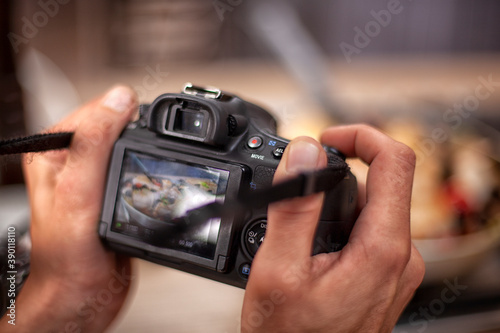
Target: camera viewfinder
point(192, 122)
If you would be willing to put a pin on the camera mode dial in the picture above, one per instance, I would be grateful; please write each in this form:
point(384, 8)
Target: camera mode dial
point(254, 236)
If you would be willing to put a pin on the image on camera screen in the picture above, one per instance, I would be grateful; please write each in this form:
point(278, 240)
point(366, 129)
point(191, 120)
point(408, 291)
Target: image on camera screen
point(154, 191)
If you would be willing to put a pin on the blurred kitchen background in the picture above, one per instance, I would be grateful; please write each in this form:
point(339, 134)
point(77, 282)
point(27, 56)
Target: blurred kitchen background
point(426, 72)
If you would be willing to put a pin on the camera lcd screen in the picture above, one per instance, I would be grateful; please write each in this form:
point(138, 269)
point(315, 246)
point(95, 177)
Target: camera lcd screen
point(154, 190)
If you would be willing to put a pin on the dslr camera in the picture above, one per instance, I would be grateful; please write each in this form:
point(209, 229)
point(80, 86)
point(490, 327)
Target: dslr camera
point(196, 148)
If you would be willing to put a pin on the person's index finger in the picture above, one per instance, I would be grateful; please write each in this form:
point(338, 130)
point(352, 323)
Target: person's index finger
point(388, 159)
point(389, 180)
point(361, 141)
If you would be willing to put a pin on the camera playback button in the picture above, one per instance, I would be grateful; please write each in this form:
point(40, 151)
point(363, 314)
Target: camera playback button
point(244, 271)
point(254, 142)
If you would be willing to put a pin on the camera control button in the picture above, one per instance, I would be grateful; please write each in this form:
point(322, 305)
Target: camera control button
point(245, 271)
point(254, 142)
point(278, 151)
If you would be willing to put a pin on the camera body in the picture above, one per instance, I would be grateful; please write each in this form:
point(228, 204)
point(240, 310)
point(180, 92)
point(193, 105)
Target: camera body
point(191, 149)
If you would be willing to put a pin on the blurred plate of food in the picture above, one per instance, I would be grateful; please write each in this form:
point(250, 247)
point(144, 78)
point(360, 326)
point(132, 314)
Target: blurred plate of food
point(455, 200)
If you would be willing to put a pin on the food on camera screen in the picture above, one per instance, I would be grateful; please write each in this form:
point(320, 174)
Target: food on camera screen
point(169, 197)
point(155, 191)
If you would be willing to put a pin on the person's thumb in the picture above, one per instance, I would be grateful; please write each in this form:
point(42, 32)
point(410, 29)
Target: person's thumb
point(97, 126)
point(292, 223)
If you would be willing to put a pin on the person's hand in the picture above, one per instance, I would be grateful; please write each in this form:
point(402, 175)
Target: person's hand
point(75, 284)
point(365, 286)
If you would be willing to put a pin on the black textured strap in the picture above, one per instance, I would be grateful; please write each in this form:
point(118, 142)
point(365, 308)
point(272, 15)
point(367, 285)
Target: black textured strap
point(36, 143)
point(302, 185)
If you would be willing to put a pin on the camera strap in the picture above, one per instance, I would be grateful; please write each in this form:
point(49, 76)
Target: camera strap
point(36, 143)
point(302, 185)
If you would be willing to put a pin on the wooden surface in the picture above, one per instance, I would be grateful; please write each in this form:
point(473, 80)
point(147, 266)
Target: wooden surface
point(166, 300)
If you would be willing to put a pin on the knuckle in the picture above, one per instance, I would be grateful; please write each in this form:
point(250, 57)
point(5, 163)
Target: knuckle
point(405, 156)
point(417, 267)
point(366, 128)
point(394, 256)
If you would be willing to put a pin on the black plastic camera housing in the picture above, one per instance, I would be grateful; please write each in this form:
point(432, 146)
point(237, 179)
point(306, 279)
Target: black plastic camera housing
point(191, 149)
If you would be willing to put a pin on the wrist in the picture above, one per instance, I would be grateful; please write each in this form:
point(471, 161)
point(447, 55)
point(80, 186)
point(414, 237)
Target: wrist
point(56, 305)
point(42, 305)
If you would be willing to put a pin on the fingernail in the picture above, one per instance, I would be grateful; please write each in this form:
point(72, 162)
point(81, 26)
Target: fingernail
point(302, 156)
point(120, 99)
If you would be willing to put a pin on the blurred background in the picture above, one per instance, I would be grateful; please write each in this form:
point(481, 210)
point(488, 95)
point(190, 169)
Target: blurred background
point(425, 72)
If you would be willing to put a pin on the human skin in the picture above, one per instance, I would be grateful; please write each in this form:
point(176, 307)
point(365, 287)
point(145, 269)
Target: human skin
point(75, 284)
point(365, 286)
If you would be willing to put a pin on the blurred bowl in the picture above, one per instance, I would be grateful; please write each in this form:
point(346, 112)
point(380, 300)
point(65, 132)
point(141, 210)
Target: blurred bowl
point(449, 257)
point(455, 199)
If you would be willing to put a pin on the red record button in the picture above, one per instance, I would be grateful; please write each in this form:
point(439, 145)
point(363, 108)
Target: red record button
point(254, 142)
